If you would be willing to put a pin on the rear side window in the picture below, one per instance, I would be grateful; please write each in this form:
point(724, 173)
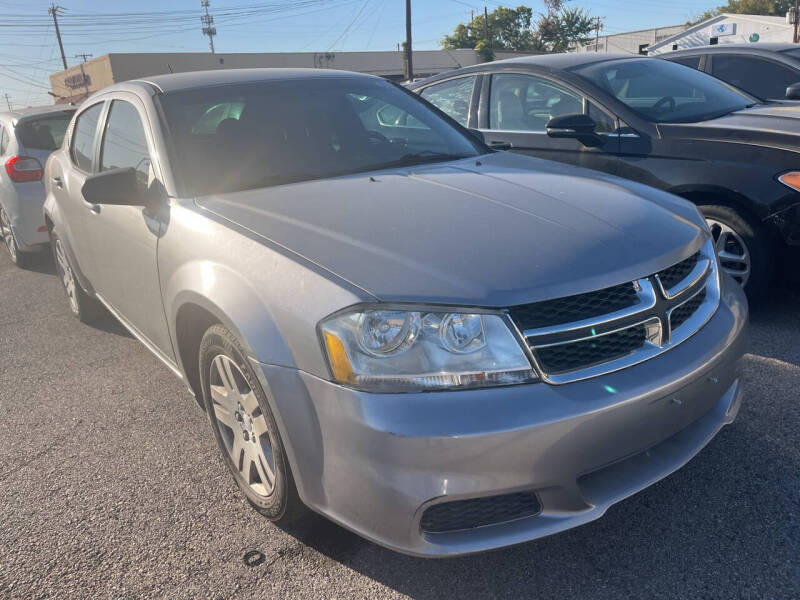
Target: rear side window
point(687, 61)
point(45, 133)
point(452, 97)
point(124, 142)
point(83, 137)
point(762, 78)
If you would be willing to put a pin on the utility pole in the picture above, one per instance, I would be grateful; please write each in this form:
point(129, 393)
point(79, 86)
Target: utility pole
point(84, 56)
point(409, 61)
point(794, 22)
point(83, 73)
point(8, 101)
point(486, 26)
point(53, 10)
point(597, 35)
point(208, 25)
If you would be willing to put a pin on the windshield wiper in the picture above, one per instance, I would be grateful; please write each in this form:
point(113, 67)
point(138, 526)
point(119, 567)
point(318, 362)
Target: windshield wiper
point(270, 180)
point(417, 158)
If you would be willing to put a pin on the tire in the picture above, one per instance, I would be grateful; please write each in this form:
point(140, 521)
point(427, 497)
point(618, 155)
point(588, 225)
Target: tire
point(744, 248)
point(18, 257)
point(245, 428)
point(81, 304)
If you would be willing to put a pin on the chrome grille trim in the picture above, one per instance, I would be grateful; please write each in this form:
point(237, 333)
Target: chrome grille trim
point(646, 299)
point(654, 311)
point(695, 275)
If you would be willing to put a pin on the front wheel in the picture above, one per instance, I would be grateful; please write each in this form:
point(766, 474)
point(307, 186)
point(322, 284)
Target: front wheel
point(743, 249)
point(245, 428)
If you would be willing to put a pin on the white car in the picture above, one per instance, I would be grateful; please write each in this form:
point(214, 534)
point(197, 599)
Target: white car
point(27, 137)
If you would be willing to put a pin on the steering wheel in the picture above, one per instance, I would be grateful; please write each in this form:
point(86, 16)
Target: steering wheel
point(377, 136)
point(665, 100)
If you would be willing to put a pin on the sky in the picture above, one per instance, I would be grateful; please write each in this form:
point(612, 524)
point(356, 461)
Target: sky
point(29, 50)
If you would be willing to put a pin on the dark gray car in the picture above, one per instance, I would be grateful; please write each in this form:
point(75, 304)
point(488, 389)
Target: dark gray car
point(767, 71)
point(442, 348)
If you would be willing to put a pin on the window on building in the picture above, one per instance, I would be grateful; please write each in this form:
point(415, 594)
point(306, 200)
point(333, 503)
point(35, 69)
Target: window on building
point(762, 78)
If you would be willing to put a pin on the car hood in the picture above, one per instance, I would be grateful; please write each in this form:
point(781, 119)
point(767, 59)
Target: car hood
point(769, 125)
point(496, 231)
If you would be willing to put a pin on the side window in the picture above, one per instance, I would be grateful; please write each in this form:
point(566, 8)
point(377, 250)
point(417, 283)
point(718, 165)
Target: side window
point(83, 135)
point(3, 141)
point(452, 97)
point(687, 61)
point(762, 78)
point(124, 141)
point(527, 102)
point(605, 122)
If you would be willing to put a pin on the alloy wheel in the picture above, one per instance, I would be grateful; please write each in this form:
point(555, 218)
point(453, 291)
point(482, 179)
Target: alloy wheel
point(67, 278)
point(242, 425)
point(734, 255)
point(8, 234)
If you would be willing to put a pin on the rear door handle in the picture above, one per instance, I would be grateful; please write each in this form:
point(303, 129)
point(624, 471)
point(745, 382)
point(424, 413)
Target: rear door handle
point(95, 208)
point(58, 182)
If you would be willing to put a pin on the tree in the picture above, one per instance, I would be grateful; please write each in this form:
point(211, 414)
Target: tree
point(511, 29)
point(775, 8)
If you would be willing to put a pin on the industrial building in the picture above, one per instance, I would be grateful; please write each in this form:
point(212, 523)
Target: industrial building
point(728, 28)
point(75, 83)
point(631, 42)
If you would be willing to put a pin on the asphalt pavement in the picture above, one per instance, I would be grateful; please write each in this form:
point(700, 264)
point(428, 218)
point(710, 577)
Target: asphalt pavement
point(111, 486)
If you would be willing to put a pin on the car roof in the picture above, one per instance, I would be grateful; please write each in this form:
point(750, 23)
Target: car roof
point(755, 47)
point(30, 111)
point(551, 62)
point(197, 79)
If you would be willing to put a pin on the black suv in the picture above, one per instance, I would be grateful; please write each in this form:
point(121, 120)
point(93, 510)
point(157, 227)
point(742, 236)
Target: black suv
point(655, 122)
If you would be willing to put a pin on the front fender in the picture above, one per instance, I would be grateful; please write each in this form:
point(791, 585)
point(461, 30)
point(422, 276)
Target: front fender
point(234, 302)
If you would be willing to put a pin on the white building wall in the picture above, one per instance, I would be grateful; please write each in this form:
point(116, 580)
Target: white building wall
point(629, 42)
point(743, 29)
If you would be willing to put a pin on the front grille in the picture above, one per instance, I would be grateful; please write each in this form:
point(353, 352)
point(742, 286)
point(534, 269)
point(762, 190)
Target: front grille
point(682, 313)
point(594, 333)
point(479, 512)
point(672, 276)
point(604, 348)
point(574, 308)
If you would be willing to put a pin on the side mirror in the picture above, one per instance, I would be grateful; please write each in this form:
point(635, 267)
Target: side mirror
point(793, 92)
point(117, 186)
point(574, 126)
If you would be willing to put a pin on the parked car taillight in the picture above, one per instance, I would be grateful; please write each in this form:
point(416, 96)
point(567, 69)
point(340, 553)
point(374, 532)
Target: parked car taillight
point(24, 168)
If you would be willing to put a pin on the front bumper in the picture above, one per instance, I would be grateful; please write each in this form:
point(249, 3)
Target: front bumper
point(375, 462)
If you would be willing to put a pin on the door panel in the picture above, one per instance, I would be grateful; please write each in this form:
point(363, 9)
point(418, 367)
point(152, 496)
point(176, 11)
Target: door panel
point(125, 238)
point(517, 108)
point(66, 184)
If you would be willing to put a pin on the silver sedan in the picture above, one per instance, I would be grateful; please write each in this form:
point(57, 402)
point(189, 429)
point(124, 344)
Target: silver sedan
point(443, 348)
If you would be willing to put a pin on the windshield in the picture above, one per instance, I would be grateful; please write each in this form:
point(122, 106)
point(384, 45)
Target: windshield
point(236, 137)
point(663, 91)
point(44, 133)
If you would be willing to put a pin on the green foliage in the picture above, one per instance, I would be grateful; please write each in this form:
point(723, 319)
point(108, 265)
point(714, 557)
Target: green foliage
point(513, 29)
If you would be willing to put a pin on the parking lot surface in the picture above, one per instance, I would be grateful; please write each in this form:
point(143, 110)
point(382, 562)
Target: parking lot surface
point(112, 487)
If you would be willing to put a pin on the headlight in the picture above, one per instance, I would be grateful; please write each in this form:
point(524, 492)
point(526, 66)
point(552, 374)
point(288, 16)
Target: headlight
point(391, 350)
